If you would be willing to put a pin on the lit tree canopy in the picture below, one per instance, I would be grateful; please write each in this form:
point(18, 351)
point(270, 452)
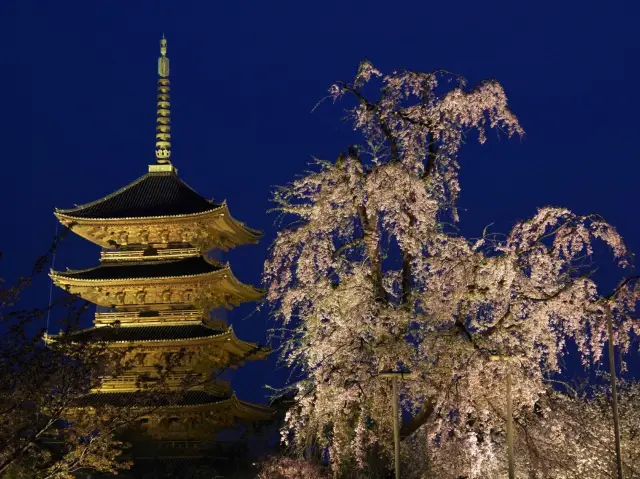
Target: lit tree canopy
point(369, 277)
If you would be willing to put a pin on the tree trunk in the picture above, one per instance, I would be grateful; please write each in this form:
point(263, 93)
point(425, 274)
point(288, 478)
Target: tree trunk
point(418, 420)
point(371, 236)
point(431, 157)
point(406, 278)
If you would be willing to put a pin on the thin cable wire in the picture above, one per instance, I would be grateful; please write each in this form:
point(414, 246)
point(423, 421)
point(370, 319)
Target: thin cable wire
point(53, 265)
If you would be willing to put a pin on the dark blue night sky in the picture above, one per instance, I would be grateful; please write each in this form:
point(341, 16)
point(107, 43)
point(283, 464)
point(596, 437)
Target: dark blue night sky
point(78, 86)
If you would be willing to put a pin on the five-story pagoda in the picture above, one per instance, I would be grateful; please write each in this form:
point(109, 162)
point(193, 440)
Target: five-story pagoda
point(156, 288)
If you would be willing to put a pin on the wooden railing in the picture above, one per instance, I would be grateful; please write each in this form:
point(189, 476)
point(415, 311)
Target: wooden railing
point(158, 254)
point(175, 382)
point(158, 317)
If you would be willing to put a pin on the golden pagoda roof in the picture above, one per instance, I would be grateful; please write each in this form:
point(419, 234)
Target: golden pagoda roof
point(183, 334)
point(193, 281)
point(140, 270)
point(188, 399)
point(158, 209)
point(127, 334)
point(154, 195)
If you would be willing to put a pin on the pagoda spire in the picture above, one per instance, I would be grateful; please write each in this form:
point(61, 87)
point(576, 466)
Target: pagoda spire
point(163, 121)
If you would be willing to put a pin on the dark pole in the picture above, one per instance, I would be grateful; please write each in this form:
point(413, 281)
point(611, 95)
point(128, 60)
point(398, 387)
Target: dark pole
point(614, 391)
point(395, 405)
point(512, 473)
point(510, 453)
point(396, 425)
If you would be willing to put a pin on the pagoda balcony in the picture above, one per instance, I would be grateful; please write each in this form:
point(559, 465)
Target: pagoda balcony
point(195, 446)
point(175, 382)
point(148, 254)
point(166, 317)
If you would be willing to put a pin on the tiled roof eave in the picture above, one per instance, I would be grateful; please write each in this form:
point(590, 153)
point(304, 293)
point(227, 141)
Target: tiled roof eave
point(240, 224)
point(262, 349)
point(221, 334)
point(222, 207)
point(167, 406)
point(229, 334)
point(65, 214)
point(199, 338)
point(226, 269)
point(252, 407)
point(104, 198)
point(233, 400)
point(55, 275)
point(159, 189)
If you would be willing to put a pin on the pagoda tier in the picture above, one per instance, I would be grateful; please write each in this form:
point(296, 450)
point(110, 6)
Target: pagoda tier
point(199, 349)
point(158, 284)
point(161, 211)
point(221, 345)
point(204, 348)
point(192, 415)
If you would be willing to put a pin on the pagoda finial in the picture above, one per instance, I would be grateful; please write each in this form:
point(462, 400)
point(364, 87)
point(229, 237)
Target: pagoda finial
point(163, 122)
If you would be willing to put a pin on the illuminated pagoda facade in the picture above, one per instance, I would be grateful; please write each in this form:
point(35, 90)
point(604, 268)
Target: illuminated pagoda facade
point(157, 289)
